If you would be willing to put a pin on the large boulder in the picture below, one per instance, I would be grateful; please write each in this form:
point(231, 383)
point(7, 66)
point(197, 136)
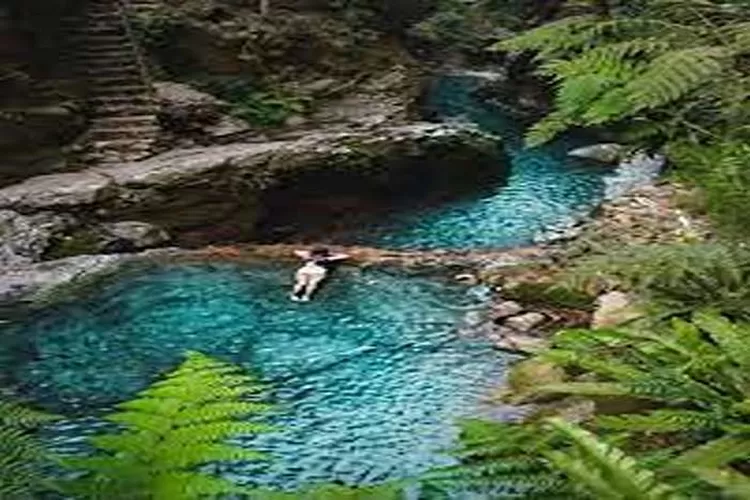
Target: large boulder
point(34, 282)
point(127, 236)
point(184, 109)
point(221, 193)
point(25, 239)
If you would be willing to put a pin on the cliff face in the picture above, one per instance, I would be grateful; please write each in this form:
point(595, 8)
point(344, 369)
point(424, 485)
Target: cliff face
point(220, 193)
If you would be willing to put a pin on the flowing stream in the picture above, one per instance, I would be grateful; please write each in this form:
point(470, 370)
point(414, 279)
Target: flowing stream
point(546, 188)
point(369, 379)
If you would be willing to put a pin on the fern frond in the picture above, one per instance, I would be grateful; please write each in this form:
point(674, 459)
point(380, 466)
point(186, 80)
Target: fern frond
point(590, 389)
point(674, 75)
point(604, 470)
point(661, 421)
point(716, 453)
point(557, 37)
point(180, 423)
point(731, 337)
point(22, 456)
point(728, 480)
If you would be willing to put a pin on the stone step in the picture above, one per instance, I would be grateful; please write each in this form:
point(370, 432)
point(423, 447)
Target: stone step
point(104, 15)
point(98, 80)
point(101, 40)
point(125, 110)
point(122, 145)
point(110, 64)
point(109, 134)
point(120, 100)
point(102, 51)
point(121, 69)
point(117, 90)
point(124, 121)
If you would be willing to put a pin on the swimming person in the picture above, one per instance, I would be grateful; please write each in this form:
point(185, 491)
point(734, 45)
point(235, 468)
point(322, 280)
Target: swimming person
point(318, 263)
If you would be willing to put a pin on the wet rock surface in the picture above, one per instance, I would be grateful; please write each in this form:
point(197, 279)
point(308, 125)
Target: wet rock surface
point(219, 186)
point(132, 235)
point(25, 239)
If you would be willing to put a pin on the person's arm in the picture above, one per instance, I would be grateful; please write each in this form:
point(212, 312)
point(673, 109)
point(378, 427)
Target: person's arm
point(302, 254)
point(338, 256)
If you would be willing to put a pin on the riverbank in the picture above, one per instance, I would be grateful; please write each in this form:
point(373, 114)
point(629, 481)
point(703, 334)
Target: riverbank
point(528, 309)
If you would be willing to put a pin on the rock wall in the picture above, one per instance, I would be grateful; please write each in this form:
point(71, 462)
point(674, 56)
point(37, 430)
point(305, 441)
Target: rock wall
point(216, 194)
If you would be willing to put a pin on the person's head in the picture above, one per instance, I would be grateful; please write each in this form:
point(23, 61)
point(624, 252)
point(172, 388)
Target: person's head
point(320, 253)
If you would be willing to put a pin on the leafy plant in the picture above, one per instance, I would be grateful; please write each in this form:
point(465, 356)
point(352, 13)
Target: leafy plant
point(663, 70)
point(22, 457)
point(693, 380)
point(337, 492)
point(502, 460)
point(678, 277)
point(720, 171)
point(596, 469)
point(264, 108)
point(170, 430)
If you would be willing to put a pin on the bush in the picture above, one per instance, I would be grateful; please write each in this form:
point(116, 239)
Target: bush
point(679, 277)
point(720, 170)
point(256, 106)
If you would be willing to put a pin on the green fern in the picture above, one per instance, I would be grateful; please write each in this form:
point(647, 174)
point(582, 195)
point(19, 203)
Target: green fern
point(669, 61)
point(22, 457)
point(175, 426)
point(603, 471)
point(678, 276)
point(336, 492)
point(501, 460)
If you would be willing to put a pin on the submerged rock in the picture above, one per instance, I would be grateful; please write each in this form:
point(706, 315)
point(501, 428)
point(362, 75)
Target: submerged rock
point(604, 153)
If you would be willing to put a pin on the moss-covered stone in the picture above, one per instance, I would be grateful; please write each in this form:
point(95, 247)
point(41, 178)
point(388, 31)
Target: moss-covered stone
point(531, 373)
point(81, 242)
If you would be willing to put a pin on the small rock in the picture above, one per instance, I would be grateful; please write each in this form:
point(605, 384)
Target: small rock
point(473, 318)
point(226, 127)
point(530, 373)
point(467, 278)
point(526, 322)
point(614, 308)
point(133, 235)
point(522, 343)
point(295, 121)
point(505, 310)
point(605, 153)
point(320, 86)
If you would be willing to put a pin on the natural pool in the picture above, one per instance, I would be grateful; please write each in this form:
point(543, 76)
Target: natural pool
point(369, 378)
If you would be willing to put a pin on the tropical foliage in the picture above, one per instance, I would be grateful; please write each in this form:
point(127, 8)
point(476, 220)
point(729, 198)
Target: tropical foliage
point(678, 277)
point(170, 430)
point(657, 70)
point(22, 457)
point(681, 430)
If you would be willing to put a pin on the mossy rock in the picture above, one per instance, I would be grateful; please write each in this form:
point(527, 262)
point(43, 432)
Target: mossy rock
point(78, 243)
point(551, 295)
point(526, 375)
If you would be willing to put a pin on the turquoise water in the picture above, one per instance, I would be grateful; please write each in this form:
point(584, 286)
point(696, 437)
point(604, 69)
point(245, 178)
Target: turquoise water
point(369, 378)
point(545, 188)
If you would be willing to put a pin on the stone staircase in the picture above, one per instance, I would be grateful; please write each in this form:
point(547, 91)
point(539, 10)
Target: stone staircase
point(123, 113)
